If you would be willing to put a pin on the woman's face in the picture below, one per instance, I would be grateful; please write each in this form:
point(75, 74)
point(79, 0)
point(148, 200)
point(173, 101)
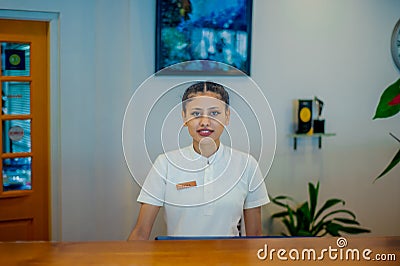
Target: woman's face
point(205, 117)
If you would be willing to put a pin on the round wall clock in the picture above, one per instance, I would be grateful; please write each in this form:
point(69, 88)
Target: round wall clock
point(395, 44)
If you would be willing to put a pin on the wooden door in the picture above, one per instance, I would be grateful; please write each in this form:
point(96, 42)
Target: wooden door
point(24, 127)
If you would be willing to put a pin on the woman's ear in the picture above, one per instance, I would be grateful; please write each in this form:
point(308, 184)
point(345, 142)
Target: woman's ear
point(227, 115)
point(184, 118)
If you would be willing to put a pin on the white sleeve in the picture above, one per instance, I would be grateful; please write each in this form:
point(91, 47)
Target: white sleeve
point(153, 190)
point(257, 191)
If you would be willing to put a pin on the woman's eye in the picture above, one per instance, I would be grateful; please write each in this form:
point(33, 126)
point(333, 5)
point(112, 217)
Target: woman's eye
point(195, 114)
point(214, 113)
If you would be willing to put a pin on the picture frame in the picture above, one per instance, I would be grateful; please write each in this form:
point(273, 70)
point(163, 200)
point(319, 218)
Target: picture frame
point(395, 45)
point(203, 37)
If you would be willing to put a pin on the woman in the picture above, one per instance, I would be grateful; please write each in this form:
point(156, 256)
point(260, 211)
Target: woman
point(207, 187)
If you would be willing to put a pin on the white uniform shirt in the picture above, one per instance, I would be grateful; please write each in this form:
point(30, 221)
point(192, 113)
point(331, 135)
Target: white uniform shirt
point(225, 184)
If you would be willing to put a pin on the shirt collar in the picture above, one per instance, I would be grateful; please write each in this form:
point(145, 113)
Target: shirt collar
point(213, 158)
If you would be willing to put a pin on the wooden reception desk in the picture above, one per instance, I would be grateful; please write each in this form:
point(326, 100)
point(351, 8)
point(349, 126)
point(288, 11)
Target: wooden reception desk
point(258, 251)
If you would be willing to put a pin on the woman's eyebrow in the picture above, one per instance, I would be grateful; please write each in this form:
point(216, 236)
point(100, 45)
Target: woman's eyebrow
point(213, 108)
point(196, 108)
point(208, 108)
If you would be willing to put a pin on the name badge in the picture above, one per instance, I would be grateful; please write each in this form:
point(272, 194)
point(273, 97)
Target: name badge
point(186, 185)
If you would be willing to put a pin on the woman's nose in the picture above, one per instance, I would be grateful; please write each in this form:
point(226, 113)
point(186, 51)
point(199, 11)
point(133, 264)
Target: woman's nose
point(204, 121)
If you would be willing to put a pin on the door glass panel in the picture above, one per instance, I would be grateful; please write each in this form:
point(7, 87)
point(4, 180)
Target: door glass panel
point(16, 97)
point(16, 136)
point(15, 59)
point(17, 173)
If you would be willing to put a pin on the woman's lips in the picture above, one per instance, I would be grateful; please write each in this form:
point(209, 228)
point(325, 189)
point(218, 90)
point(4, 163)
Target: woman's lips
point(204, 132)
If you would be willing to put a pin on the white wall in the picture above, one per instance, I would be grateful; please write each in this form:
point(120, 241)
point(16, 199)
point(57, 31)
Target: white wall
point(337, 50)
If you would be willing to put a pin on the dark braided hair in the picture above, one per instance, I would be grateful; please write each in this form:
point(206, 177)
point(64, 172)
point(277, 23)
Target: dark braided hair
point(203, 87)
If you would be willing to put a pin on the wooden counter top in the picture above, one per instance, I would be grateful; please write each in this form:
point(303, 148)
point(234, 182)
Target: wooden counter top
point(206, 252)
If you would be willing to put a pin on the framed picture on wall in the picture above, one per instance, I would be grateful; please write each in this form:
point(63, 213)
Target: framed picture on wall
point(203, 32)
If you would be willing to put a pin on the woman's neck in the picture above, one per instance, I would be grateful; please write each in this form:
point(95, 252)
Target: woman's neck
point(206, 147)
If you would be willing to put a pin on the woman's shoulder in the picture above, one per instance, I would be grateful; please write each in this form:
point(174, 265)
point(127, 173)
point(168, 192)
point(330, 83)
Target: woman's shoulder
point(240, 155)
point(174, 155)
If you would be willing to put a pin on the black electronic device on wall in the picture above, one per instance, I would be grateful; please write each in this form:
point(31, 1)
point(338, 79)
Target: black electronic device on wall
point(309, 121)
point(304, 117)
point(319, 123)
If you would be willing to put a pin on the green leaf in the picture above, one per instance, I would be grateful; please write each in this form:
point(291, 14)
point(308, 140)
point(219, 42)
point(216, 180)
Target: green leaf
point(333, 229)
point(319, 228)
point(322, 223)
point(346, 221)
point(354, 230)
point(339, 211)
point(290, 227)
point(278, 200)
point(393, 163)
point(291, 216)
point(280, 214)
point(329, 203)
point(303, 217)
point(313, 195)
point(384, 109)
point(303, 233)
point(281, 198)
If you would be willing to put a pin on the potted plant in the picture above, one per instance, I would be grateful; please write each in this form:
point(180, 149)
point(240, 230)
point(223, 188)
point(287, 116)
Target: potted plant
point(388, 106)
point(306, 220)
